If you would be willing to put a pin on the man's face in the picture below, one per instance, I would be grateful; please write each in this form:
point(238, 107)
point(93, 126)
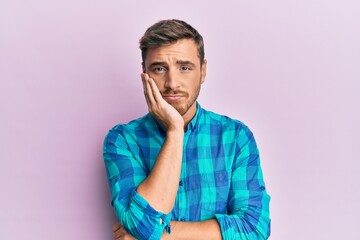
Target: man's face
point(177, 73)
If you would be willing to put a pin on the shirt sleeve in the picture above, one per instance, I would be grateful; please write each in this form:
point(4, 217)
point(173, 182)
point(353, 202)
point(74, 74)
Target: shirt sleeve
point(125, 173)
point(248, 204)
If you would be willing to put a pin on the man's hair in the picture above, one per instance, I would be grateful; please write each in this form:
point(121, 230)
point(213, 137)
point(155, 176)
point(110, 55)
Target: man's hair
point(166, 32)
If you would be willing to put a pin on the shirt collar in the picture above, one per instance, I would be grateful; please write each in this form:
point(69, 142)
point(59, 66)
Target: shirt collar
point(195, 120)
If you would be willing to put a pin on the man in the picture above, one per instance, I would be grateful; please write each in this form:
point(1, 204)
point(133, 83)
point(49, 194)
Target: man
point(181, 172)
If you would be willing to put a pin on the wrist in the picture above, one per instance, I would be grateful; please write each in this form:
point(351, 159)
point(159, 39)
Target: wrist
point(175, 130)
point(167, 236)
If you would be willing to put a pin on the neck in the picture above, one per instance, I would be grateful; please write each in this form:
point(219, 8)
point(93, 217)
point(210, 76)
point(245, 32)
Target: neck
point(189, 115)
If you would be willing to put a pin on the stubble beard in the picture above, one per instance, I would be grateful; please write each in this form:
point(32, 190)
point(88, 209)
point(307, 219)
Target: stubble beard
point(183, 108)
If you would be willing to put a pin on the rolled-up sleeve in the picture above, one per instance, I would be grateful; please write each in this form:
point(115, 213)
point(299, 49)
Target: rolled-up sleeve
point(125, 172)
point(248, 204)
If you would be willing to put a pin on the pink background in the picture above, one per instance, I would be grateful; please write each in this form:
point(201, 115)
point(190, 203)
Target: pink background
point(69, 71)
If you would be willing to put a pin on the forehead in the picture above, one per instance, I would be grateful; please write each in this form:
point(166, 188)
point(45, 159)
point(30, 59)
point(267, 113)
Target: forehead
point(184, 49)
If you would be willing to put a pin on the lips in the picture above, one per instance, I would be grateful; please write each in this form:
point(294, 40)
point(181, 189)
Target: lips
point(172, 97)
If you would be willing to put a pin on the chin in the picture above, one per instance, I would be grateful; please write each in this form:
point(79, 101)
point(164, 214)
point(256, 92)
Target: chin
point(178, 107)
point(182, 109)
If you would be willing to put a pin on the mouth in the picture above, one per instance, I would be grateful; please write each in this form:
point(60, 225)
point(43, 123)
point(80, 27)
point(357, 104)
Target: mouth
point(172, 97)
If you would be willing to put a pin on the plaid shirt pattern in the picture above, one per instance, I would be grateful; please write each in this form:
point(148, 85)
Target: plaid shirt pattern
point(221, 177)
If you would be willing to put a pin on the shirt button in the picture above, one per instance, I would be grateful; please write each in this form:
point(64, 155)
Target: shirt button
point(182, 219)
point(181, 183)
point(262, 188)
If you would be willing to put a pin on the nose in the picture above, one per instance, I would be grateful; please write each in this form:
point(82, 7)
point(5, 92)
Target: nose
point(171, 80)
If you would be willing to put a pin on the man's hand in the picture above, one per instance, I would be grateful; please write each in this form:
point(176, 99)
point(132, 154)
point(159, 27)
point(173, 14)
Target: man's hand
point(158, 107)
point(120, 233)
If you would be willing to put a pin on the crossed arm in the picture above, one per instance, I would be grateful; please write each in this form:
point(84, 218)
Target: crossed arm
point(207, 230)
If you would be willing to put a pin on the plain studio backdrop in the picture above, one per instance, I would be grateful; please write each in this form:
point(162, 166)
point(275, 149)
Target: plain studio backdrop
point(70, 70)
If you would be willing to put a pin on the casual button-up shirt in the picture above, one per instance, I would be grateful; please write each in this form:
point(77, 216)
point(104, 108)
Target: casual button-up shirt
point(220, 179)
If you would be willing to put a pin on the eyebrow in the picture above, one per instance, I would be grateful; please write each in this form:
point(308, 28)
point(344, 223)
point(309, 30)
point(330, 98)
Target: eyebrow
point(179, 62)
point(185, 62)
point(157, 64)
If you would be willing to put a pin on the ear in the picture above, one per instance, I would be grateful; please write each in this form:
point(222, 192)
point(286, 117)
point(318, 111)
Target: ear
point(203, 71)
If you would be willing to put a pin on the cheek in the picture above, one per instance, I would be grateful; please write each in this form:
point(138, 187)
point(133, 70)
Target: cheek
point(159, 82)
point(192, 82)
point(156, 77)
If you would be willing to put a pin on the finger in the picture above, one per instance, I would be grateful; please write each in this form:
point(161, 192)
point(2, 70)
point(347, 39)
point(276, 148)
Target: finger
point(149, 92)
point(145, 76)
point(155, 91)
point(119, 238)
point(145, 89)
point(120, 233)
point(116, 227)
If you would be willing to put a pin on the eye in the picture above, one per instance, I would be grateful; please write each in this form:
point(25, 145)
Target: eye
point(159, 69)
point(185, 68)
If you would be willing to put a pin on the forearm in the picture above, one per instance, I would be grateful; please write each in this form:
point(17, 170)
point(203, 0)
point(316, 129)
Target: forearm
point(160, 187)
point(207, 230)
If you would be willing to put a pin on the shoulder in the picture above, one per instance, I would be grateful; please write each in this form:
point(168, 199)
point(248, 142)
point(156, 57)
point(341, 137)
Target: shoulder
point(136, 127)
point(223, 121)
point(138, 124)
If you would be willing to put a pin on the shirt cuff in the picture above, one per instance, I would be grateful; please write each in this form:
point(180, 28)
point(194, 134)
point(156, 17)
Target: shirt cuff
point(160, 220)
point(225, 223)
